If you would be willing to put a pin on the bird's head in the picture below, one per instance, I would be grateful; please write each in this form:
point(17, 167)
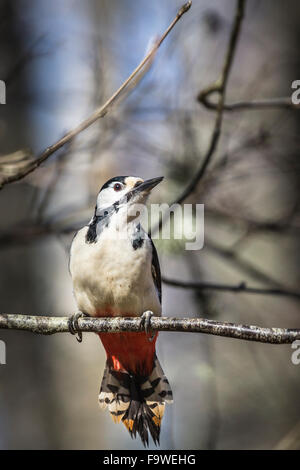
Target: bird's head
point(124, 192)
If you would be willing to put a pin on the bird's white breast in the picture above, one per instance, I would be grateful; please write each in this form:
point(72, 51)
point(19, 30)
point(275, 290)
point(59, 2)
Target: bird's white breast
point(110, 277)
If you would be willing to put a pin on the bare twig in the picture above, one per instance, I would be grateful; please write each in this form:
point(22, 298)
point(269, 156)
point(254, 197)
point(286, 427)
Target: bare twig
point(241, 263)
point(99, 113)
point(283, 226)
point(268, 103)
point(291, 440)
point(218, 87)
point(30, 54)
point(23, 234)
point(51, 325)
point(236, 288)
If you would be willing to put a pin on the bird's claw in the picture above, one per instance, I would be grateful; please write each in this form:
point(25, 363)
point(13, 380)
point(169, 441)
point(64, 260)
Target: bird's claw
point(146, 323)
point(74, 327)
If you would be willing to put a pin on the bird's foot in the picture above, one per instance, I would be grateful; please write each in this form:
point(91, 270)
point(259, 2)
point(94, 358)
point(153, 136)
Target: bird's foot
point(74, 327)
point(146, 323)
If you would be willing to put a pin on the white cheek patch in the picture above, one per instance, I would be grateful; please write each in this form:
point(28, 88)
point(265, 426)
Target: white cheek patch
point(108, 196)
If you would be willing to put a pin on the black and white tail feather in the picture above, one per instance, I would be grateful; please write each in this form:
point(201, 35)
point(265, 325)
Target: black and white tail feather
point(137, 401)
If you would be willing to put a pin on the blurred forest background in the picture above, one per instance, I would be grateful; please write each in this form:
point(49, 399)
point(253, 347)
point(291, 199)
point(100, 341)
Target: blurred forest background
point(62, 59)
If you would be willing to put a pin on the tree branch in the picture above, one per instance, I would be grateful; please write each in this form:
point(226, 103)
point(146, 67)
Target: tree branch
point(280, 226)
point(130, 82)
point(267, 103)
point(241, 263)
point(220, 87)
point(27, 234)
point(51, 325)
point(236, 288)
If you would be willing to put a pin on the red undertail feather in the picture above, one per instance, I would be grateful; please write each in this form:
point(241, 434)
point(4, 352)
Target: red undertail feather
point(134, 387)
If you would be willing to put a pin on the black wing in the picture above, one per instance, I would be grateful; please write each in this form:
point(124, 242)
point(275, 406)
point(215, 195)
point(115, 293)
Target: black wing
point(155, 269)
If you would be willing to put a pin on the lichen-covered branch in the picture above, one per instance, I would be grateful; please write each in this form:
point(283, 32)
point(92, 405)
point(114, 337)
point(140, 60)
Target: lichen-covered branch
point(50, 325)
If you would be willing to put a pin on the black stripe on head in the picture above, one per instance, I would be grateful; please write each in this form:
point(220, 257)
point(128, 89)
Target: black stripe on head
point(120, 179)
point(91, 235)
point(104, 216)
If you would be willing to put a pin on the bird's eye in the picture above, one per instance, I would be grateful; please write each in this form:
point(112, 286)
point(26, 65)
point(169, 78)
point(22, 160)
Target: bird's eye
point(117, 187)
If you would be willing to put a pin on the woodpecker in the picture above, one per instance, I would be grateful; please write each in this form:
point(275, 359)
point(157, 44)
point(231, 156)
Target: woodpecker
point(115, 272)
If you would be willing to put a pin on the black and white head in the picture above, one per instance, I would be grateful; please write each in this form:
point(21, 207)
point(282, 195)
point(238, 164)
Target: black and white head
point(121, 200)
point(122, 191)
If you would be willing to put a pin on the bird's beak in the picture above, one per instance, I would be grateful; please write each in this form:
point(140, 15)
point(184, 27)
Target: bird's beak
point(147, 185)
point(141, 191)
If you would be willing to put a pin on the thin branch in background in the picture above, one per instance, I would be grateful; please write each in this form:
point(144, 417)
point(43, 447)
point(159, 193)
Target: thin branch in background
point(122, 91)
point(282, 226)
point(268, 103)
point(50, 325)
point(291, 440)
point(43, 203)
point(29, 55)
point(235, 288)
point(22, 234)
point(220, 87)
point(242, 264)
